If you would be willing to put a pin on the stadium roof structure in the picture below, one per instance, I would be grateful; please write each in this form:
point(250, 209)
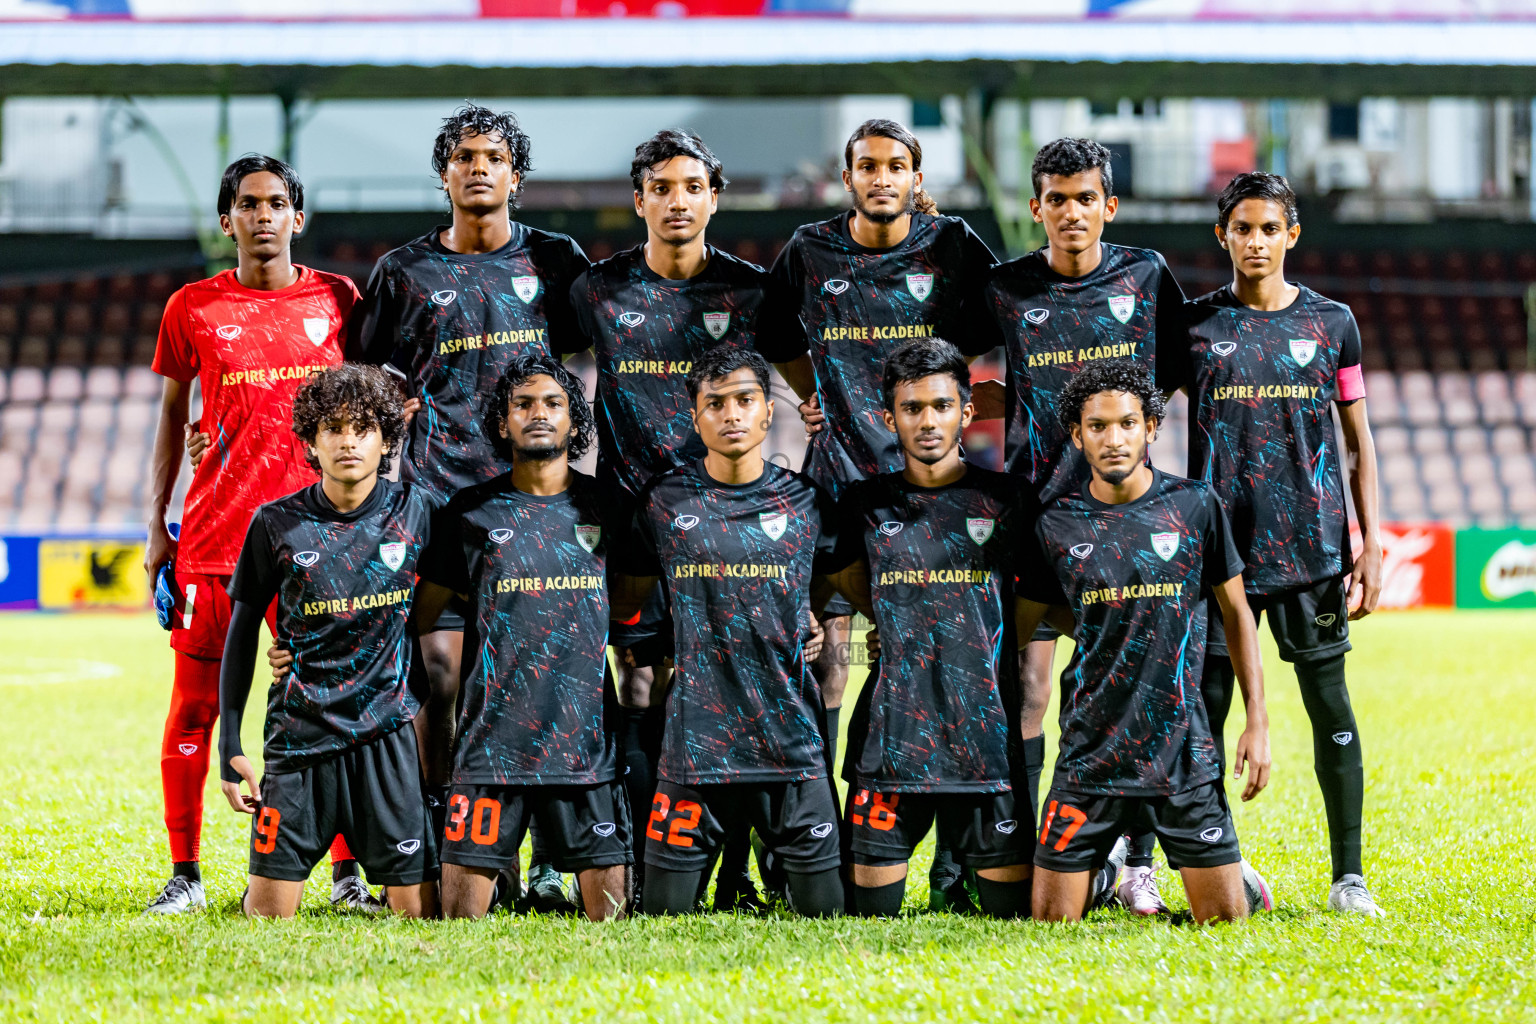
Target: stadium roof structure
point(832, 52)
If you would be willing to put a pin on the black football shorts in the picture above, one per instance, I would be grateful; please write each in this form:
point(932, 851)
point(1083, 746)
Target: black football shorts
point(986, 829)
point(1077, 830)
point(1309, 623)
point(796, 819)
point(581, 826)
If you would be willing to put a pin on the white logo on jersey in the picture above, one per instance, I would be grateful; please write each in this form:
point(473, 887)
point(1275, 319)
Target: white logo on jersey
point(1165, 544)
point(822, 831)
point(317, 329)
point(1036, 316)
point(444, 297)
point(1211, 835)
point(717, 324)
point(1343, 738)
point(837, 286)
point(187, 748)
point(1081, 550)
point(631, 319)
point(393, 553)
point(1326, 619)
point(587, 536)
point(773, 523)
point(500, 535)
point(980, 529)
point(920, 285)
point(890, 528)
point(408, 845)
point(1007, 827)
point(1122, 306)
point(603, 828)
point(525, 288)
point(1302, 350)
point(1224, 348)
point(307, 558)
point(686, 522)
point(229, 332)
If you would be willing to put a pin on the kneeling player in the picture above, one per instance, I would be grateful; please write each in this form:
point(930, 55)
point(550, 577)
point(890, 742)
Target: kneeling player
point(1131, 554)
point(736, 540)
point(340, 753)
point(529, 551)
point(934, 735)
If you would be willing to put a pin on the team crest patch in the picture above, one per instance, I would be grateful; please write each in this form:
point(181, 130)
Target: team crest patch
point(717, 324)
point(890, 528)
point(1036, 316)
point(631, 319)
point(1081, 550)
point(1224, 348)
point(307, 558)
point(444, 297)
point(685, 522)
point(920, 285)
point(587, 536)
point(525, 288)
point(229, 332)
point(1122, 306)
point(980, 529)
point(316, 329)
point(393, 553)
point(1165, 544)
point(1303, 350)
point(773, 523)
point(837, 286)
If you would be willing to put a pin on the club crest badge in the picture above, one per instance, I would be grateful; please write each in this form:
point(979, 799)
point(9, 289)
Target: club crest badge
point(1036, 316)
point(229, 332)
point(890, 528)
point(773, 523)
point(920, 285)
point(1224, 348)
point(631, 319)
point(444, 297)
point(980, 529)
point(685, 522)
point(717, 324)
point(501, 535)
point(837, 286)
point(1122, 306)
point(393, 554)
point(307, 558)
point(1081, 550)
point(1302, 351)
point(316, 328)
point(525, 288)
point(1166, 545)
point(588, 536)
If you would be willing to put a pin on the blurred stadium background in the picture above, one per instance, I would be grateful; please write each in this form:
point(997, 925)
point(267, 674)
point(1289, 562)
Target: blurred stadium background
point(1405, 124)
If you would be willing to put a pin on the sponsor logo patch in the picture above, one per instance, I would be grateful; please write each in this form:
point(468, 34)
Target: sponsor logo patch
point(393, 553)
point(980, 529)
point(920, 285)
point(1326, 619)
point(1165, 545)
point(822, 831)
point(629, 319)
point(1081, 550)
point(500, 535)
point(717, 324)
point(773, 523)
point(316, 328)
point(588, 536)
point(307, 558)
point(1510, 571)
point(187, 748)
point(1212, 835)
point(1037, 316)
point(1007, 827)
point(604, 828)
point(229, 332)
point(890, 528)
point(525, 288)
point(444, 297)
point(1343, 738)
point(1303, 350)
point(408, 845)
point(1224, 348)
point(837, 286)
point(686, 522)
point(1122, 306)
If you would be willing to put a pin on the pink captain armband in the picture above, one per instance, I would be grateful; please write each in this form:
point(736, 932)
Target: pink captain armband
point(1351, 383)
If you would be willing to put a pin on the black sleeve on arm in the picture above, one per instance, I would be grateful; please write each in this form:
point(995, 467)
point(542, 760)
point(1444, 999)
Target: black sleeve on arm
point(375, 334)
point(1037, 579)
point(829, 550)
point(982, 334)
point(1222, 559)
point(443, 560)
point(565, 336)
point(1171, 350)
point(638, 557)
point(780, 331)
point(235, 680)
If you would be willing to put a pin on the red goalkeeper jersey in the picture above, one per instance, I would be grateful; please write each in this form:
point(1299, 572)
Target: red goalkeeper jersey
point(251, 350)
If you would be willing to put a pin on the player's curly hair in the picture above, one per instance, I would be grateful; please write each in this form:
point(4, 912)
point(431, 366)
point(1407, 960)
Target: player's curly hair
point(472, 119)
point(1256, 185)
point(1063, 158)
point(668, 144)
point(883, 128)
point(925, 357)
point(722, 361)
point(520, 371)
point(1109, 375)
point(365, 396)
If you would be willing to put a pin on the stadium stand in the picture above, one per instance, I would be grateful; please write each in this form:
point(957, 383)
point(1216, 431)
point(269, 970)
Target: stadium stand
point(1452, 399)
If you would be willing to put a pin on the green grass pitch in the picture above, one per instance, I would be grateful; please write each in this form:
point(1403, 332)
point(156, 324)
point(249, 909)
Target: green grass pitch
point(1445, 707)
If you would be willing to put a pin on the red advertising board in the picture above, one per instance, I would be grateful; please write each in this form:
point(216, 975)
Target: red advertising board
point(1418, 567)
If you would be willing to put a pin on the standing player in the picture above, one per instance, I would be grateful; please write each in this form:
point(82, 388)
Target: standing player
point(1075, 302)
point(648, 313)
point(250, 336)
point(1131, 555)
point(529, 550)
point(736, 540)
point(1267, 361)
point(340, 755)
point(450, 311)
point(935, 734)
point(859, 285)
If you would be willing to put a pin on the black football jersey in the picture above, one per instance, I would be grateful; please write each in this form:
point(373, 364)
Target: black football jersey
point(1135, 577)
point(343, 583)
point(451, 322)
point(1261, 387)
point(645, 331)
point(535, 663)
point(851, 307)
point(942, 713)
point(737, 562)
point(1052, 326)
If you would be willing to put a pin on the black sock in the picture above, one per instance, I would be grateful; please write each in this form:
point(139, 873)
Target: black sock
point(879, 900)
point(734, 855)
point(1140, 850)
point(946, 868)
point(1034, 763)
point(831, 718)
point(345, 869)
point(639, 773)
point(539, 852)
point(437, 809)
point(187, 869)
point(1216, 684)
point(669, 892)
point(1336, 758)
point(816, 895)
point(1003, 899)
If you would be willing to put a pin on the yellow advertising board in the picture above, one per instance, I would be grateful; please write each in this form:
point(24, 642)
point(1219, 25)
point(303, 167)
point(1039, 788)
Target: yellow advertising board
point(91, 574)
